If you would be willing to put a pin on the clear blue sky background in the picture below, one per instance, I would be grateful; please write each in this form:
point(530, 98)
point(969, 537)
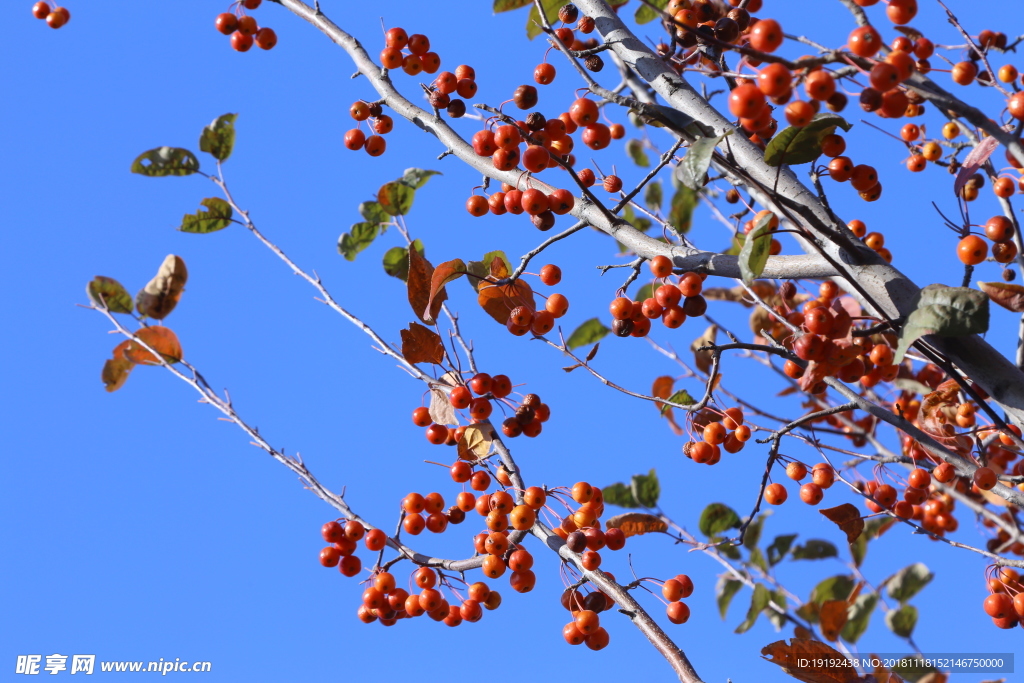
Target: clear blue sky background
point(137, 526)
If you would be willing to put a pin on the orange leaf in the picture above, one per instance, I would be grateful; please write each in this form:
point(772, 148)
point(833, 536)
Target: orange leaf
point(636, 523)
point(160, 339)
point(422, 345)
point(418, 283)
point(442, 275)
point(848, 518)
point(1010, 297)
point(159, 297)
point(789, 657)
point(833, 618)
point(499, 300)
point(499, 271)
point(116, 370)
point(662, 388)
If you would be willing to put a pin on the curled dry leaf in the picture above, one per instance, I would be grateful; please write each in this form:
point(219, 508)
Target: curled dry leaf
point(499, 300)
point(663, 389)
point(787, 656)
point(475, 442)
point(422, 345)
point(499, 269)
point(703, 358)
point(636, 523)
point(978, 156)
point(418, 284)
point(158, 298)
point(848, 518)
point(1010, 297)
point(442, 275)
point(441, 410)
point(116, 370)
point(160, 339)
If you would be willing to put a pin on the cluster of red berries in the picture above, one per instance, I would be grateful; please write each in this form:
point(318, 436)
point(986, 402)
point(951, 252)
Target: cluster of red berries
point(1005, 603)
point(674, 591)
point(420, 58)
point(718, 431)
point(812, 493)
point(529, 416)
point(243, 28)
point(55, 18)
point(672, 302)
point(344, 540)
point(379, 122)
point(973, 250)
point(873, 240)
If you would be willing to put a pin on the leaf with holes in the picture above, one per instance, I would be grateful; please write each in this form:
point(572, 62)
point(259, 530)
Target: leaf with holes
point(680, 214)
point(645, 489)
point(1010, 297)
point(589, 332)
point(395, 198)
point(717, 518)
point(359, 237)
point(396, 260)
point(201, 222)
point(165, 161)
point(218, 138)
point(442, 275)
point(754, 253)
point(636, 524)
point(422, 345)
point(815, 549)
point(161, 294)
point(106, 292)
point(799, 145)
point(160, 339)
point(499, 300)
point(946, 312)
point(692, 170)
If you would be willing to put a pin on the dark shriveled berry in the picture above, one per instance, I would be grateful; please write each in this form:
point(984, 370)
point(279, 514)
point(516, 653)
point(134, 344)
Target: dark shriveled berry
point(593, 63)
point(456, 109)
point(568, 14)
point(525, 97)
point(622, 328)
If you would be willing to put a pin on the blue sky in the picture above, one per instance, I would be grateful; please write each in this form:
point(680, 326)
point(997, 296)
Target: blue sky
point(137, 526)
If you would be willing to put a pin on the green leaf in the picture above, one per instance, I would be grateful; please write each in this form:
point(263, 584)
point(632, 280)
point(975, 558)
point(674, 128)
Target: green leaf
point(645, 488)
point(694, 166)
point(836, 587)
point(902, 621)
point(218, 138)
point(635, 149)
point(758, 601)
point(587, 333)
point(736, 247)
point(912, 668)
point(681, 212)
point(533, 22)
point(908, 582)
point(724, 592)
point(165, 161)
point(815, 549)
point(682, 397)
point(645, 292)
point(779, 548)
point(753, 534)
point(111, 294)
point(396, 260)
point(653, 196)
point(619, 494)
point(757, 559)
point(947, 312)
point(858, 549)
point(506, 5)
point(645, 13)
point(778, 620)
point(396, 198)
point(360, 237)
point(217, 218)
point(858, 615)
point(754, 253)
point(717, 518)
point(373, 212)
point(799, 145)
point(417, 177)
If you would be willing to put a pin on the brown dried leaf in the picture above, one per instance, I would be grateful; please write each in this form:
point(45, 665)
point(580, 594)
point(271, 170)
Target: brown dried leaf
point(422, 345)
point(1010, 297)
point(815, 372)
point(703, 358)
point(593, 352)
point(787, 656)
point(418, 284)
point(978, 156)
point(441, 410)
point(499, 301)
point(499, 271)
point(636, 524)
point(736, 294)
point(848, 518)
point(160, 339)
point(833, 618)
point(933, 404)
point(475, 442)
point(442, 275)
point(159, 297)
point(116, 370)
point(803, 632)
